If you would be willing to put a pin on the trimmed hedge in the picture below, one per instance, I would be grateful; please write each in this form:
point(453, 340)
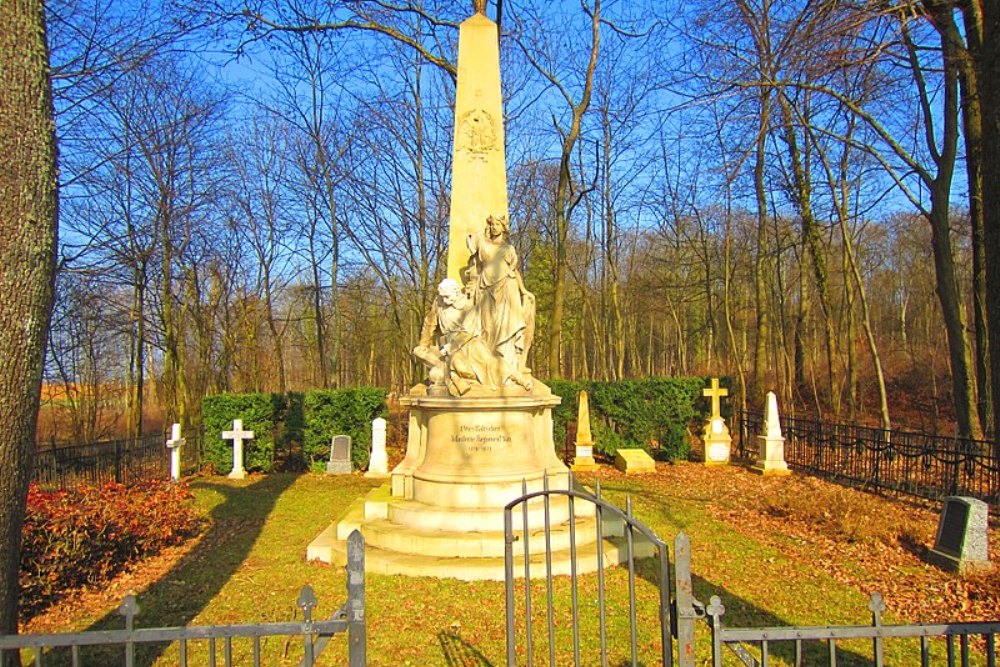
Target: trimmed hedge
point(330, 412)
point(86, 535)
point(310, 419)
point(635, 413)
point(261, 413)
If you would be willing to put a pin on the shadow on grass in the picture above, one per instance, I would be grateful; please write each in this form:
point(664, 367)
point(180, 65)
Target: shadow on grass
point(185, 590)
point(459, 653)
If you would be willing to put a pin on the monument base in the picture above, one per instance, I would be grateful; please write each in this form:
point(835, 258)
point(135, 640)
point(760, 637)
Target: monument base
point(717, 450)
point(584, 461)
point(778, 472)
point(442, 514)
point(772, 456)
point(339, 468)
point(960, 566)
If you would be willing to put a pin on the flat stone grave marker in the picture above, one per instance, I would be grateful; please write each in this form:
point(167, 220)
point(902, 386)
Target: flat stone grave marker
point(634, 461)
point(340, 456)
point(962, 542)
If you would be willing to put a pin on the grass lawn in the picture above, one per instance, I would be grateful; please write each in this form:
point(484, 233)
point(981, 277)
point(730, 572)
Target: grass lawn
point(776, 550)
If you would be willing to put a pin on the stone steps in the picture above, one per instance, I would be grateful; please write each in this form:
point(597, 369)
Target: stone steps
point(430, 517)
point(390, 536)
point(412, 538)
point(471, 568)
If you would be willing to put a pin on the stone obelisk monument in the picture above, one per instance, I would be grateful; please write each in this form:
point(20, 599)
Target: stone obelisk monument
point(479, 173)
point(480, 426)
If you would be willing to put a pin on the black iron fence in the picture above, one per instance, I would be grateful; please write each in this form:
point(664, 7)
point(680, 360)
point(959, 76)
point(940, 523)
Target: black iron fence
point(124, 461)
point(915, 464)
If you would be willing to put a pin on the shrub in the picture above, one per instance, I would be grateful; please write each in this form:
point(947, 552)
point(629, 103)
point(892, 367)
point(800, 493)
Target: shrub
point(328, 412)
point(293, 420)
point(85, 536)
point(648, 413)
point(261, 413)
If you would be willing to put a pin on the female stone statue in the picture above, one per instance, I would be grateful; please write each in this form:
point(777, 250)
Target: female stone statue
point(506, 307)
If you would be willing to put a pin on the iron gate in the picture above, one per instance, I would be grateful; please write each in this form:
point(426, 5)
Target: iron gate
point(678, 610)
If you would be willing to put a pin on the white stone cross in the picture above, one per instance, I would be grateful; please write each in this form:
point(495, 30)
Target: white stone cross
point(175, 443)
point(237, 435)
point(715, 392)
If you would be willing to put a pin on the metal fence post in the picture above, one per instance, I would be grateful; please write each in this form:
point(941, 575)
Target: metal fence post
point(356, 632)
point(118, 461)
point(129, 609)
point(877, 606)
point(715, 611)
point(307, 602)
point(684, 604)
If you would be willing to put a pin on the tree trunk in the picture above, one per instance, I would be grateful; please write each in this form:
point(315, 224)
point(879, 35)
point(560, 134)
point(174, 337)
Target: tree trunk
point(562, 202)
point(989, 77)
point(28, 215)
point(972, 128)
point(763, 323)
point(802, 194)
point(947, 286)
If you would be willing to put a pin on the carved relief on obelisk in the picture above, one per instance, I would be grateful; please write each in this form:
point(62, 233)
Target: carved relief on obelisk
point(477, 135)
point(479, 174)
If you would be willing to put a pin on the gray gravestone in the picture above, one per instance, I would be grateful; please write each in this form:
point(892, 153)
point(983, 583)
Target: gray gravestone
point(340, 456)
point(962, 543)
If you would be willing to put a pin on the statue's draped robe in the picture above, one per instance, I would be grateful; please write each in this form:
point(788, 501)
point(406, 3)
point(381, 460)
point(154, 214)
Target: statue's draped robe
point(498, 296)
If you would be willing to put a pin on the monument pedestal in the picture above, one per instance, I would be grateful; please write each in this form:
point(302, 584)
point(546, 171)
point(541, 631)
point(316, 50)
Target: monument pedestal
point(718, 442)
point(474, 451)
point(442, 513)
point(772, 456)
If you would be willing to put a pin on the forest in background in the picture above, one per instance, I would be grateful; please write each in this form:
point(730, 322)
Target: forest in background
point(254, 197)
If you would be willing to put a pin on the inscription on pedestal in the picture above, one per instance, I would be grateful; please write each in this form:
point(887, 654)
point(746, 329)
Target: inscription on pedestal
point(481, 438)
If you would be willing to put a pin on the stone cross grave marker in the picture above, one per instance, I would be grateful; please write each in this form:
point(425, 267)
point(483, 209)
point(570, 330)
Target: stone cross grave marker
point(340, 456)
point(716, 393)
point(237, 435)
point(378, 462)
point(175, 444)
point(716, 434)
point(962, 543)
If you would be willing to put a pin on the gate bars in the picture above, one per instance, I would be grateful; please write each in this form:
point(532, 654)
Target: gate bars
point(676, 617)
